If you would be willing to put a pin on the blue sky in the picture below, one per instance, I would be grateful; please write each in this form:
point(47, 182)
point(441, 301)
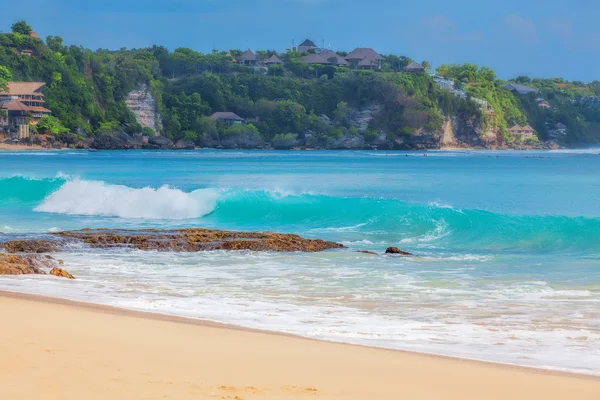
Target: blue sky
point(514, 37)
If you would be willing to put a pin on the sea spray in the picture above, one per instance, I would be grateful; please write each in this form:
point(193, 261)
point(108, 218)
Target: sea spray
point(81, 197)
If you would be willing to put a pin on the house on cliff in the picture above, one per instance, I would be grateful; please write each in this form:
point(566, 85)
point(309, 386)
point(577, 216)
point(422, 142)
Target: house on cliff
point(520, 89)
point(228, 117)
point(247, 58)
point(364, 58)
point(522, 132)
point(30, 94)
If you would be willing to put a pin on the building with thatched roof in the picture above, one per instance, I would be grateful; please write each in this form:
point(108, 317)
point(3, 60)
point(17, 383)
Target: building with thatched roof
point(524, 132)
point(273, 60)
point(307, 45)
point(228, 117)
point(414, 67)
point(247, 58)
point(325, 57)
point(365, 58)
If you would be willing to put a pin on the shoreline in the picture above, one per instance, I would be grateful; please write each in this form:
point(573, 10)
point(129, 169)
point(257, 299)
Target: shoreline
point(114, 310)
point(24, 147)
point(59, 349)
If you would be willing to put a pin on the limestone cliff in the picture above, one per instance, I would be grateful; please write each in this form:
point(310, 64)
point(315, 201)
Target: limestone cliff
point(141, 102)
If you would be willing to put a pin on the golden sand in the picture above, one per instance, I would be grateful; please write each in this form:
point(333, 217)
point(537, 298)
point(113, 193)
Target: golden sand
point(59, 350)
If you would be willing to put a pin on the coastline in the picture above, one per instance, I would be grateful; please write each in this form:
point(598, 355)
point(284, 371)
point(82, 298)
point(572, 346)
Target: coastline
point(214, 359)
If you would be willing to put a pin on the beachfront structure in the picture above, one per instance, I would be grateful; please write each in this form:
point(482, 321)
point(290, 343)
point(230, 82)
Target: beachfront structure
point(305, 46)
point(247, 58)
point(228, 117)
point(524, 132)
point(520, 89)
point(30, 94)
point(13, 117)
point(364, 58)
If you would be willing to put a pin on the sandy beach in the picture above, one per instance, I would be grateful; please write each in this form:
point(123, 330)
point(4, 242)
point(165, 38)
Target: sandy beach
point(20, 147)
point(54, 349)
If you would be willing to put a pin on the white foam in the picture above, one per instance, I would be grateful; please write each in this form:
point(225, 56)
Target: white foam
point(81, 197)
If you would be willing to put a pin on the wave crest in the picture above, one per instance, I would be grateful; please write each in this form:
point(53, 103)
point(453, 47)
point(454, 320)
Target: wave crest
point(81, 197)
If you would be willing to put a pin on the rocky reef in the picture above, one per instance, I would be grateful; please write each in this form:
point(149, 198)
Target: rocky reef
point(31, 264)
point(194, 240)
point(179, 240)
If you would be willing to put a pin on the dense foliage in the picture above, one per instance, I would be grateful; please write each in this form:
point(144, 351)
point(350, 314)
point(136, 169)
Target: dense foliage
point(86, 91)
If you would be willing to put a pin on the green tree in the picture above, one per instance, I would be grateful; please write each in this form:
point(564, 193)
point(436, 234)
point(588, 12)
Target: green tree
point(5, 77)
point(21, 27)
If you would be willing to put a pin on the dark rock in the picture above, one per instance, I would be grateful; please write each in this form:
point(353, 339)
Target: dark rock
point(367, 252)
point(249, 140)
point(286, 143)
point(348, 142)
point(184, 144)
point(395, 250)
point(161, 142)
point(116, 140)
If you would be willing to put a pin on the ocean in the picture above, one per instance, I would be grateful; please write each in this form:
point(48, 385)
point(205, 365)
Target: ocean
point(506, 245)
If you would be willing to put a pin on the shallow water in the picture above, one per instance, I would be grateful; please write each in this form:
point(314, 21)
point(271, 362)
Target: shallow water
point(507, 244)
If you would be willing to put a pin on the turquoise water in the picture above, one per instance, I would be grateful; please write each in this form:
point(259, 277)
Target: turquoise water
point(506, 244)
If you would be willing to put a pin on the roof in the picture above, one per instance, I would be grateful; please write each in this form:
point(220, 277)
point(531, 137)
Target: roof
point(521, 89)
point(518, 127)
point(315, 59)
point(24, 88)
point(364, 52)
point(329, 54)
point(14, 105)
point(367, 62)
point(40, 109)
point(227, 116)
point(307, 43)
point(413, 66)
point(273, 60)
point(248, 55)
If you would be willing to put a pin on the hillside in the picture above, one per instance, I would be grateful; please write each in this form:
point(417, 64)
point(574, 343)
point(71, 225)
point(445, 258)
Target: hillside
point(108, 99)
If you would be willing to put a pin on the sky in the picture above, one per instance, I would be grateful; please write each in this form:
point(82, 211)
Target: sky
point(539, 38)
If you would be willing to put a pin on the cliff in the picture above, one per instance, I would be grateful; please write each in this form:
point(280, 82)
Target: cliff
point(142, 104)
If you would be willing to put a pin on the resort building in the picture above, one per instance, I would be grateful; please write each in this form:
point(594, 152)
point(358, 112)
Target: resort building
point(247, 58)
point(30, 94)
point(325, 57)
point(228, 117)
point(414, 67)
point(13, 117)
point(520, 89)
point(305, 46)
point(20, 105)
point(523, 132)
point(273, 60)
point(364, 58)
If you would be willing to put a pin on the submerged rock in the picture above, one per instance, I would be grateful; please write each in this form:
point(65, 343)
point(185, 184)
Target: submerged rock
point(395, 250)
point(193, 240)
point(61, 273)
point(367, 252)
point(30, 264)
